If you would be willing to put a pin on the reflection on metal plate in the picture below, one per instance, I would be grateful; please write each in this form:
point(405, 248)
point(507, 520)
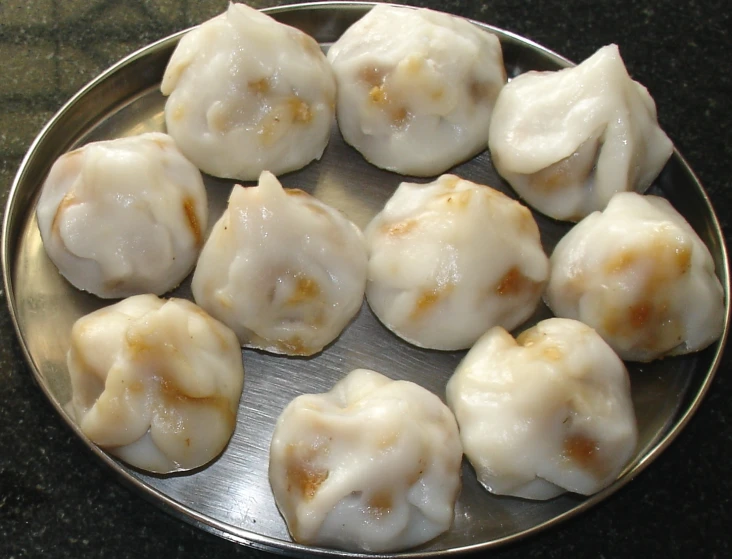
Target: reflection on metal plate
point(232, 497)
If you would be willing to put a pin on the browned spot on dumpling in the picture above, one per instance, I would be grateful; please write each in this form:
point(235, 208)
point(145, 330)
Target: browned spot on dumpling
point(319, 319)
point(396, 112)
point(670, 259)
point(644, 315)
point(533, 338)
point(177, 112)
point(113, 284)
point(296, 192)
point(483, 92)
point(294, 346)
point(380, 504)
point(649, 321)
point(450, 181)
point(552, 353)
point(621, 261)
point(136, 387)
point(171, 390)
point(306, 290)
point(639, 315)
point(399, 116)
point(575, 283)
point(572, 171)
point(400, 228)
point(529, 337)
point(189, 208)
point(513, 282)
point(267, 130)
point(137, 344)
point(388, 439)
point(303, 475)
point(225, 300)
point(552, 178)
point(172, 394)
point(259, 87)
point(219, 121)
point(278, 121)
point(162, 143)
point(372, 75)
point(308, 480)
point(683, 259)
point(646, 325)
point(300, 110)
point(581, 450)
point(378, 95)
point(526, 221)
point(615, 321)
point(67, 201)
point(413, 64)
point(429, 298)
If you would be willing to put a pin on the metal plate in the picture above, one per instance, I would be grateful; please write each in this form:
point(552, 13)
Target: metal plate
point(232, 497)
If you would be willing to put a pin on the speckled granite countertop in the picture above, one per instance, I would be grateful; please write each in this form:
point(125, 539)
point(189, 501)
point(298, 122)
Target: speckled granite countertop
point(56, 500)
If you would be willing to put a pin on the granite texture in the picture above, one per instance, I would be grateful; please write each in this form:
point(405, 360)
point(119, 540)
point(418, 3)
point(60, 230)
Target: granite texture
point(56, 500)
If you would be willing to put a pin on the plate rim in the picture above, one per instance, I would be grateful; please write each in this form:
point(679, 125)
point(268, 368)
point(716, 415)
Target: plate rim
point(692, 399)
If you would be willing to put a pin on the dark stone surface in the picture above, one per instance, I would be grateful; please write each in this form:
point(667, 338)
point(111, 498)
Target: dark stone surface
point(57, 501)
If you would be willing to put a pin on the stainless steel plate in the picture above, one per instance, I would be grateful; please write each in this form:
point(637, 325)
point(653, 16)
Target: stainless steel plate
point(232, 497)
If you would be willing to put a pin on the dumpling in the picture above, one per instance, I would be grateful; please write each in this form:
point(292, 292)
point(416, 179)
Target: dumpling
point(450, 259)
point(639, 275)
point(416, 88)
point(123, 217)
point(282, 269)
point(247, 93)
point(373, 465)
point(156, 383)
point(545, 413)
point(568, 140)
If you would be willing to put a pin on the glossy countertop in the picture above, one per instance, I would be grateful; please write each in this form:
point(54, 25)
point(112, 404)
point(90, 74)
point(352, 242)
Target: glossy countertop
point(57, 500)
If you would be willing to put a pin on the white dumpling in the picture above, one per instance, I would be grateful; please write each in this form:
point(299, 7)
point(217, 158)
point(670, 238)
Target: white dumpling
point(450, 259)
point(568, 140)
point(416, 88)
point(247, 93)
point(284, 270)
point(545, 413)
point(123, 217)
point(641, 276)
point(373, 465)
point(156, 383)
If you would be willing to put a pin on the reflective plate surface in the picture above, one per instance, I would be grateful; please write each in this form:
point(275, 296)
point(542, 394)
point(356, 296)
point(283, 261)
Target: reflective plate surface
point(232, 497)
